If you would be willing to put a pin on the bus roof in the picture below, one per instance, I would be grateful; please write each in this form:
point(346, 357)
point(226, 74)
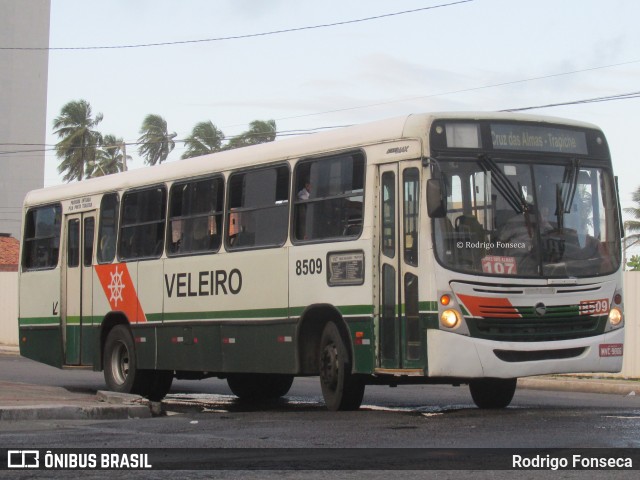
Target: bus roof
point(408, 126)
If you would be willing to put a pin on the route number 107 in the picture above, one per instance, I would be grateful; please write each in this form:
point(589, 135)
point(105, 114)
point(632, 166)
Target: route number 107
point(311, 266)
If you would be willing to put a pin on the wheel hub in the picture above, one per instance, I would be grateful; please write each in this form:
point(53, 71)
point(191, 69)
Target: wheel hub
point(329, 369)
point(120, 363)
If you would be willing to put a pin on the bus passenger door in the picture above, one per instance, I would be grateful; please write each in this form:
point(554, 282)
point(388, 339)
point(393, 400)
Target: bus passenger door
point(77, 307)
point(400, 344)
point(389, 324)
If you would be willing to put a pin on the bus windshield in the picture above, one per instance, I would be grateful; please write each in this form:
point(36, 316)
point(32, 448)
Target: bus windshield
point(549, 217)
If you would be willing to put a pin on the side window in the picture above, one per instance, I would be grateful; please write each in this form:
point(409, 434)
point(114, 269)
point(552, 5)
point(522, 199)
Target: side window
point(142, 224)
point(389, 214)
point(411, 180)
point(108, 228)
point(87, 249)
point(195, 217)
point(41, 240)
point(258, 210)
point(73, 243)
point(329, 198)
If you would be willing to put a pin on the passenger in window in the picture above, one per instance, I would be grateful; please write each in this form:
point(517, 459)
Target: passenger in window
point(305, 192)
point(301, 222)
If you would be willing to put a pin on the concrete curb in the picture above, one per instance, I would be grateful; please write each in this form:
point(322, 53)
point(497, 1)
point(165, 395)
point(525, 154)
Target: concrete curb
point(65, 405)
point(74, 412)
point(584, 385)
point(9, 349)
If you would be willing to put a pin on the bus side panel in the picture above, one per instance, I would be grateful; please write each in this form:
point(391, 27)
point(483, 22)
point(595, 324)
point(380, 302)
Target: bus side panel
point(148, 281)
point(227, 312)
point(310, 285)
point(259, 348)
point(190, 347)
point(39, 322)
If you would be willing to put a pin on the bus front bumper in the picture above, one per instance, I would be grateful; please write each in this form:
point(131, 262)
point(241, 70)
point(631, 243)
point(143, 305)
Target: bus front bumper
point(453, 355)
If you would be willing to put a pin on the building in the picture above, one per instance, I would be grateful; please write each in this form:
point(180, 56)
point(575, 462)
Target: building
point(23, 105)
point(9, 253)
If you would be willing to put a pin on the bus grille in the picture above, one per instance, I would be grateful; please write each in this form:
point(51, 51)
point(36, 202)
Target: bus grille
point(536, 330)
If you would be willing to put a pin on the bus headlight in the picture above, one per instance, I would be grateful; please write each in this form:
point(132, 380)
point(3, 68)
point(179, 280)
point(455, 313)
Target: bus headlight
point(615, 316)
point(450, 318)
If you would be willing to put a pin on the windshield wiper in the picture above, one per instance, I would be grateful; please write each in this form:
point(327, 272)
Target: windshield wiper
point(560, 208)
point(510, 193)
point(571, 179)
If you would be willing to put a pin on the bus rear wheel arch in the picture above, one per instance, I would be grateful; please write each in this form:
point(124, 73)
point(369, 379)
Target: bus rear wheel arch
point(121, 372)
point(492, 393)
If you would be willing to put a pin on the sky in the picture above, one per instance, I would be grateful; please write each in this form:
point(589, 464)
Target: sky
point(479, 55)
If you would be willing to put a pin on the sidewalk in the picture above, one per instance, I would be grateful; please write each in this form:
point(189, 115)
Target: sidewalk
point(22, 401)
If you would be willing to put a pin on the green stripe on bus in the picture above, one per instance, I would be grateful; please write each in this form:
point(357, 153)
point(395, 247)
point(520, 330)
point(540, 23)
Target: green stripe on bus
point(29, 321)
point(346, 310)
point(430, 306)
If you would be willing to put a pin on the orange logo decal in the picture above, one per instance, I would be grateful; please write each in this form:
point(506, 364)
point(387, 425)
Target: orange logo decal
point(120, 290)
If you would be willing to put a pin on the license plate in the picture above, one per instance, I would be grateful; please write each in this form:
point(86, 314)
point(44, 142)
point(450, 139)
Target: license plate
point(610, 349)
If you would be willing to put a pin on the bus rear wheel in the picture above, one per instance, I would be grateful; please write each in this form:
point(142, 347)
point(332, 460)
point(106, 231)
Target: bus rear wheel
point(340, 388)
point(493, 392)
point(121, 372)
point(259, 387)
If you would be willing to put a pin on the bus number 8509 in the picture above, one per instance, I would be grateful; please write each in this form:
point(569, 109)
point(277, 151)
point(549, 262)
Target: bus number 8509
point(312, 266)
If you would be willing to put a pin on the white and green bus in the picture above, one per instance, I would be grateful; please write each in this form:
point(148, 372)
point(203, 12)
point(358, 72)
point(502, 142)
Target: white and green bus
point(433, 248)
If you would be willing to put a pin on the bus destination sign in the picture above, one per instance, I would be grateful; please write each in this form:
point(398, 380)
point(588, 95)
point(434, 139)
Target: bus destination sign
point(538, 139)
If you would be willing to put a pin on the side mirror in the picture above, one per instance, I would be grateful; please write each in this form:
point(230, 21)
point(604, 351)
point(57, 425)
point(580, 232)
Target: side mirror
point(436, 201)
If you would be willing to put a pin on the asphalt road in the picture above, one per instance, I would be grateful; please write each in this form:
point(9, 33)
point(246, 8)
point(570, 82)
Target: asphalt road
point(204, 414)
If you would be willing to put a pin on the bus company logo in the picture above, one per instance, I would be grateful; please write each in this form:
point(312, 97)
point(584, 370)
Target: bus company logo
point(540, 309)
point(23, 459)
point(116, 287)
point(115, 280)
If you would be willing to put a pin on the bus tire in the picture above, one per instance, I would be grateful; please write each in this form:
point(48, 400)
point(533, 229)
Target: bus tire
point(340, 388)
point(120, 365)
point(259, 387)
point(493, 392)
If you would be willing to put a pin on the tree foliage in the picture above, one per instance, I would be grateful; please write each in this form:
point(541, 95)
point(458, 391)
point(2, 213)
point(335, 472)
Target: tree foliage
point(109, 158)
point(634, 263)
point(79, 141)
point(156, 143)
point(633, 226)
point(85, 153)
point(260, 131)
point(205, 138)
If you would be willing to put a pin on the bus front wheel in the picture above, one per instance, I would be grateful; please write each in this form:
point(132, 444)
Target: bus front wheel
point(121, 373)
point(493, 392)
point(340, 388)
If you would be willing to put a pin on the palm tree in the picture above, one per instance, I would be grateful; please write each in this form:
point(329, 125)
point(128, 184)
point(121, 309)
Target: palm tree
point(205, 138)
point(155, 142)
point(260, 131)
point(109, 158)
point(78, 139)
point(632, 227)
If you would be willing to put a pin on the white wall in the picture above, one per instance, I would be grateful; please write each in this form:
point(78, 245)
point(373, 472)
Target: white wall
point(631, 363)
point(8, 308)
